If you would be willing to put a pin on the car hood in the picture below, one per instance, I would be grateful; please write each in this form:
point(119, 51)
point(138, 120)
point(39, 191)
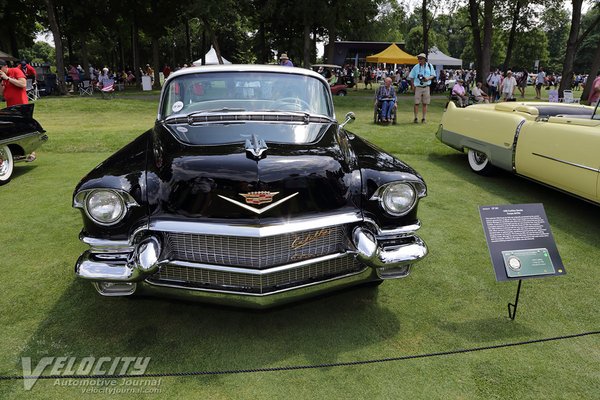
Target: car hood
point(228, 182)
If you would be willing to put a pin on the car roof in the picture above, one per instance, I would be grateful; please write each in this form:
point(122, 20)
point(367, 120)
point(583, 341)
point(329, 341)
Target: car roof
point(245, 68)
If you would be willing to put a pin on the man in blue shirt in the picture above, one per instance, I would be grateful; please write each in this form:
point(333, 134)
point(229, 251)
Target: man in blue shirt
point(421, 76)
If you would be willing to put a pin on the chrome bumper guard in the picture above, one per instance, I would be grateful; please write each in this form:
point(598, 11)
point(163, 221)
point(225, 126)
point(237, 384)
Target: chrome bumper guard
point(116, 266)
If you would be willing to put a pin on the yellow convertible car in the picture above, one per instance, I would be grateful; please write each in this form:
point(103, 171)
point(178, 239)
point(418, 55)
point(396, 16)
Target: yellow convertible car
point(552, 143)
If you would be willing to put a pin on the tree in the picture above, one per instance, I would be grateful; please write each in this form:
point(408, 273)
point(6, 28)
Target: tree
point(54, 27)
point(482, 47)
point(555, 23)
point(572, 44)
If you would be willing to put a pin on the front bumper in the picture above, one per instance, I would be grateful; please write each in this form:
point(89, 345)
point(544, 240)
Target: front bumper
point(141, 266)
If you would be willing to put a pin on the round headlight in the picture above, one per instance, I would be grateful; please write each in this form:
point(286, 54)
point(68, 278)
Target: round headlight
point(105, 207)
point(398, 198)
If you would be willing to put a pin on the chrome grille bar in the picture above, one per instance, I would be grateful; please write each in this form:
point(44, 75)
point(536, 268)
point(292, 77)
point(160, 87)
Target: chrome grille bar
point(181, 275)
point(257, 252)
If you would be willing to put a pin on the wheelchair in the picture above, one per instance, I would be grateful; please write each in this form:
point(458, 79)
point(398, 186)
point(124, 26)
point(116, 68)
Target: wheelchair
point(377, 113)
point(470, 100)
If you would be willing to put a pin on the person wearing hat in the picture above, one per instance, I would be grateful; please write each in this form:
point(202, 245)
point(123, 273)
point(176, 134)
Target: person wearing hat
point(421, 76)
point(28, 70)
point(458, 91)
point(13, 85)
point(285, 61)
point(509, 83)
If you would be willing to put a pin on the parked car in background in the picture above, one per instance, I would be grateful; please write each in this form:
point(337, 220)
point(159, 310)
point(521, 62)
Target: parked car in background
point(20, 136)
point(247, 191)
point(342, 82)
point(552, 143)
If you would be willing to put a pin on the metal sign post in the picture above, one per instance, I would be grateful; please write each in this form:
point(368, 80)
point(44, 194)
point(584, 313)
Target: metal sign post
point(521, 244)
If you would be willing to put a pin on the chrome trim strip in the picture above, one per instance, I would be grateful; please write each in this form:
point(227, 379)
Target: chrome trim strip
point(18, 138)
point(514, 146)
point(262, 295)
point(247, 271)
point(567, 162)
point(258, 210)
point(403, 231)
point(106, 246)
point(208, 228)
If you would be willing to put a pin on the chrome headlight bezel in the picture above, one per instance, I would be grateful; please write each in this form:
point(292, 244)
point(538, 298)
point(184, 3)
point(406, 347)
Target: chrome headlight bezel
point(123, 200)
point(385, 193)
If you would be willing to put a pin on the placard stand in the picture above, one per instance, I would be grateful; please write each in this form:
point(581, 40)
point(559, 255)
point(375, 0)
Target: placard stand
point(521, 244)
point(512, 313)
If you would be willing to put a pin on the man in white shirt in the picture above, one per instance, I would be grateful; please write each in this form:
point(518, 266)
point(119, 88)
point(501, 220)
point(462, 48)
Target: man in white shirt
point(479, 94)
point(509, 83)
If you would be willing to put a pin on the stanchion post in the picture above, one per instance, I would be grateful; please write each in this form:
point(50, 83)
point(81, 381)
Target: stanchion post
point(512, 312)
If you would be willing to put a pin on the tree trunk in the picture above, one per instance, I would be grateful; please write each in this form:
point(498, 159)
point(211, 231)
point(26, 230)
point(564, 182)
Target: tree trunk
point(85, 60)
point(511, 36)
point(307, 46)
point(58, 46)
point(203, 49)
point(482, 50)
point(188, 42)
point(262, 45)
point(135, 46)
point(425, 27)
point(567, 73)
point(215, 43)
point(155, 64)
point(593, 72)
point(486, 50)
point(332, 30)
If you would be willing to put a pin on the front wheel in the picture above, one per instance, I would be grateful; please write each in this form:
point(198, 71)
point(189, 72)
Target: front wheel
point(6, 164)
point(479, 162)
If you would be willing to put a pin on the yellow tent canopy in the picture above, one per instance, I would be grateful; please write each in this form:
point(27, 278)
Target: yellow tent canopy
point(392, 55)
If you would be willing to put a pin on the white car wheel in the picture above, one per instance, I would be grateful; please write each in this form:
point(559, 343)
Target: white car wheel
point(6, 164)
point(479, 162)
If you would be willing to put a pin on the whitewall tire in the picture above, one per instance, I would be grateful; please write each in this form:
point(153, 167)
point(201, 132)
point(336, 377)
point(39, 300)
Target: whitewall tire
point(479, 162)
point(6, 164)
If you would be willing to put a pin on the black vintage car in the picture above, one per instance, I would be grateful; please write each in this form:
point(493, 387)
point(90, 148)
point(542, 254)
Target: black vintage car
point(248, 192)
point(20, 135)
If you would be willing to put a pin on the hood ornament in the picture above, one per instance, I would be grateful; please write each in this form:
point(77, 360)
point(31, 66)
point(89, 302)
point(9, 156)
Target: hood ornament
point(258, 198)
point(255, 147)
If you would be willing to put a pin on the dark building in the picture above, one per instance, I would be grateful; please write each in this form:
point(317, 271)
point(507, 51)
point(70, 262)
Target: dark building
point(350, 52)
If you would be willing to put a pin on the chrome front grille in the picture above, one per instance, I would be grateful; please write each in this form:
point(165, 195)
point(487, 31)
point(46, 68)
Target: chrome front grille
point(257, 252)
point(202, 278)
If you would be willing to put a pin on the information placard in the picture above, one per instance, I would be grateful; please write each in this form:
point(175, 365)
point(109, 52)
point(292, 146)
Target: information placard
point(520, 241)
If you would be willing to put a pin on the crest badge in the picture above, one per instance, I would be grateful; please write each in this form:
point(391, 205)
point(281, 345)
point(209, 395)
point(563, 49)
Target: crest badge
point(258, 197)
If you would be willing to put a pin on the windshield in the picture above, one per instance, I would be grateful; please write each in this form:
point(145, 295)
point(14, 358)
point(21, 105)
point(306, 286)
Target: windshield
point(246, 92)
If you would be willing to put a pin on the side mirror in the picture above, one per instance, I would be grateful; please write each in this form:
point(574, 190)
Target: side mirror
point(350, 117)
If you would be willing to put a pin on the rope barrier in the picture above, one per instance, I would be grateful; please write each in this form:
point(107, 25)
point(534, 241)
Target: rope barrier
point(313, 366)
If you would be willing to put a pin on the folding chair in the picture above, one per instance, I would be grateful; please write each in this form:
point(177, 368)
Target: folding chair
point(108, 89)
point(568, 97)
point(86, 88)
point(553, 96)
point(32, 90)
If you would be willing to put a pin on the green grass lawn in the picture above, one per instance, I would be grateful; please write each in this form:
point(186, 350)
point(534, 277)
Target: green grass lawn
point(450, 301)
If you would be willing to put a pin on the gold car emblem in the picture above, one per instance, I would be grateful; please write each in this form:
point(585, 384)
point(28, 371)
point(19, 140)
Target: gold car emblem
point(259, 197)
point(256, 198)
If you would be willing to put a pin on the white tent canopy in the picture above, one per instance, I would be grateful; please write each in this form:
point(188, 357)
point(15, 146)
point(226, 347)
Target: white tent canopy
point(211, 58)
point(436, 57)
